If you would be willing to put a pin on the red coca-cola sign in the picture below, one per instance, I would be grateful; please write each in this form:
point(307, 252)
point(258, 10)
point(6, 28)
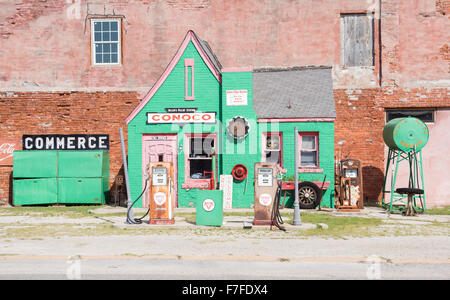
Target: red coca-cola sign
point(7, 147)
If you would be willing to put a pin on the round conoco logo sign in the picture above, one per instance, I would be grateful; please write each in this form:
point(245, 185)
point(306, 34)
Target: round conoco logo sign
point(159, 198)
point(265, 199)
point(208, 205)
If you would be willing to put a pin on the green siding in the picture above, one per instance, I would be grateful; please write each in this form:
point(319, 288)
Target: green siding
point(326, 153)
point(172, 94)
point(244, 151)
point(210, 96)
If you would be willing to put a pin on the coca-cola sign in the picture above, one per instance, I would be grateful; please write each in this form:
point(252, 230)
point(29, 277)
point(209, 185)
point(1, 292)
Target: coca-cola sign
point(7, 147)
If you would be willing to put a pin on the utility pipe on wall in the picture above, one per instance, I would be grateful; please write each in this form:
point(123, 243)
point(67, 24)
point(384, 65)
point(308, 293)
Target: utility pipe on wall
point(125, 170)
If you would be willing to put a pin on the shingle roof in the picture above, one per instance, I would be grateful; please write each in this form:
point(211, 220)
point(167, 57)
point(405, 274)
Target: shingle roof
point(205, 46)
point(296, 92)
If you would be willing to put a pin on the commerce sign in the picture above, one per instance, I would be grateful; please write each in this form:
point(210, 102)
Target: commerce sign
point(66, 142)
point(197, 117)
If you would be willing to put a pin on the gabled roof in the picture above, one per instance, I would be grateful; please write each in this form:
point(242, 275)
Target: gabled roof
point(205, 52)
point(296, 92)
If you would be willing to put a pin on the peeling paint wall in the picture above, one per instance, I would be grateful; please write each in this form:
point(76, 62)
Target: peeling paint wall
point(46, 44)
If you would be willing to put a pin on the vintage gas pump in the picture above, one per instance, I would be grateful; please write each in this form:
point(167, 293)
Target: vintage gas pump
point(161, 195)
point(266, 186)
point(351, 188)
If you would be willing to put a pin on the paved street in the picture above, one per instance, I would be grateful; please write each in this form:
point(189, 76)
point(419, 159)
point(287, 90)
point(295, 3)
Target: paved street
point(221, 253)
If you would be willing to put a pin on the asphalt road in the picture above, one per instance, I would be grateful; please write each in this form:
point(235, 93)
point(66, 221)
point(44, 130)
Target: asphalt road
point(168, 269)
point(198, 257)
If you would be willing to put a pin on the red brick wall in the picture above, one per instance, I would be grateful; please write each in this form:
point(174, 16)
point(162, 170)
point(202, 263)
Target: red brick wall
point(65, 113)
point(443, 6)
point(358, 129)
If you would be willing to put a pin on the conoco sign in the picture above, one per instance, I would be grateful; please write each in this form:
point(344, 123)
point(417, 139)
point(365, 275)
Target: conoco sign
point(189, 117)
point(7, 147)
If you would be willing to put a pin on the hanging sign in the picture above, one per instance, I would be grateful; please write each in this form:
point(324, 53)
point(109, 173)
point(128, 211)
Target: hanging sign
point(196, 117)
point(66, 142)
point(236, 97)
point(7, 147)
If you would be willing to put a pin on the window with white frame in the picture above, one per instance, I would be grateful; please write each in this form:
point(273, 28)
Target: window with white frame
point(106, 41)
point(309, 149)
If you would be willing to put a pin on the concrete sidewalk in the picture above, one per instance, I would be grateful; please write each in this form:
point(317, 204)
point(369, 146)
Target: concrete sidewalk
point(230, 222)
point(246, 221)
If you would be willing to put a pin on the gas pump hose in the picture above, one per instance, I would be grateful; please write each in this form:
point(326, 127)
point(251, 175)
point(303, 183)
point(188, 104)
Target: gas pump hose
point(276, 215)
point(137, 220)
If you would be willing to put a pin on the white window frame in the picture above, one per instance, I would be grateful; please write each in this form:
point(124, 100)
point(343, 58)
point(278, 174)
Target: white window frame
point(119, 41)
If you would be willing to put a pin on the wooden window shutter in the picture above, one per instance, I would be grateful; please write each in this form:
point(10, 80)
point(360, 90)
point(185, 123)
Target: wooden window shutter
point(357, 31)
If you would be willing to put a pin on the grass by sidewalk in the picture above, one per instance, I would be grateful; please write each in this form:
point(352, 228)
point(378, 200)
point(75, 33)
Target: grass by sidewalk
point(327, 225)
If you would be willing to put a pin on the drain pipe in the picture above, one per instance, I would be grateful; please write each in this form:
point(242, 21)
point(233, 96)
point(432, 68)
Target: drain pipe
point(297, 221)
point(125, 171)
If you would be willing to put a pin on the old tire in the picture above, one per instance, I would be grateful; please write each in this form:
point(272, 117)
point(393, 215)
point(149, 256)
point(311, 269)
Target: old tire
point(308, 195)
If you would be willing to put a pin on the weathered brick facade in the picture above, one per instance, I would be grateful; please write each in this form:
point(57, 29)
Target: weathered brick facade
point(65, 113)
point(48, 84)
point(360, 119)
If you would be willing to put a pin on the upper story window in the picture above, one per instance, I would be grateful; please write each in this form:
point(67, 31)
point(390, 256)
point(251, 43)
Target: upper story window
point(106, 41)
point(357, 44)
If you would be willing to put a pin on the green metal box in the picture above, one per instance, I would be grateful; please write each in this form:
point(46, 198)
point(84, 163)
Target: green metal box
point(35, 191)
point(81, 190)
point(34, 164)
point(73, 164)
point(209, 208)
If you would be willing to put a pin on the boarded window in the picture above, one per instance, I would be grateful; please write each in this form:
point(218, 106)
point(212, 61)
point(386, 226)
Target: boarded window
point(357, 40)
point(424, 115)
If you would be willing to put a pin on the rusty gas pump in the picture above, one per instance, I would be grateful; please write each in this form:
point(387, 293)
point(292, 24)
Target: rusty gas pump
point(161, 193)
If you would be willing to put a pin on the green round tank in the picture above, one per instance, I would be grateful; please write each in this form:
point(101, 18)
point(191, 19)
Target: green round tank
point(405, 134)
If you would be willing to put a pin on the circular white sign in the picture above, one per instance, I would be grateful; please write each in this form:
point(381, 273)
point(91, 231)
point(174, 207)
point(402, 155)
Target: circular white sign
point(265, 199)
point(208, 205)
point(159, 198)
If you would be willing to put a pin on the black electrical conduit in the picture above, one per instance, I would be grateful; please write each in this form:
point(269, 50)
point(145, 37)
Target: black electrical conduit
point(137, 220)
point(276, 216)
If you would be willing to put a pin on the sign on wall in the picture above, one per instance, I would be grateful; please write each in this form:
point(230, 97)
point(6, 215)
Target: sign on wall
point(226, 185)
point(7, 147)
point(196, 117)
point(236, 97)
point(66, 142)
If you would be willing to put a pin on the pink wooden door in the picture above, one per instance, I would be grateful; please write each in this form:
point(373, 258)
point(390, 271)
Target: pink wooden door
point(160, 148)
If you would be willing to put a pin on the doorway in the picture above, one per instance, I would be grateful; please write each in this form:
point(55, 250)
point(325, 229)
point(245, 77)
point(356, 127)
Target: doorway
point(160, 148)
